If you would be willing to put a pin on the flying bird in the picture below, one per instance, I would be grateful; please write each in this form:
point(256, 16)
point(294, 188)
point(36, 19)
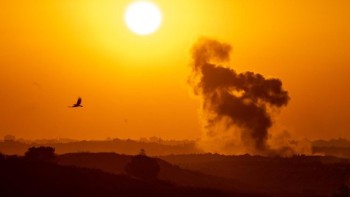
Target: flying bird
point(78, 103)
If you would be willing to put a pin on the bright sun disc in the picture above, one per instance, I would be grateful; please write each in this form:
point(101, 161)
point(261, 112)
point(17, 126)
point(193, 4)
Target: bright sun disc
point(143, 17)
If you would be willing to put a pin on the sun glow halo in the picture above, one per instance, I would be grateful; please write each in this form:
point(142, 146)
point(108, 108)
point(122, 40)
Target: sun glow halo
point(143, 17)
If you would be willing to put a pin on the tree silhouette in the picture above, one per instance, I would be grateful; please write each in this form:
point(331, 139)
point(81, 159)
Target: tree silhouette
point(142, 152)
point(143, 167)
point(41, 153)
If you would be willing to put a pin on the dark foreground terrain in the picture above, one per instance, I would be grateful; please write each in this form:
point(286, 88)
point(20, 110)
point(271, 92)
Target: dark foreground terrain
point(295, 176)
point(261, 176)
point(42, 173)
point(20, 177)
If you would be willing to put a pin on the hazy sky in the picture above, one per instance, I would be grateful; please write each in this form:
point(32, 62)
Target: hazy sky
point(56, 50)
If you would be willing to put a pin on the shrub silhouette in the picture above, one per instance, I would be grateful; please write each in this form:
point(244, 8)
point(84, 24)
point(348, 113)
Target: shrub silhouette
point(143, 167)
point(41, 153)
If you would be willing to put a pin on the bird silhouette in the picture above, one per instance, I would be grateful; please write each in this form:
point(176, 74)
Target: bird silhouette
point(78, 103)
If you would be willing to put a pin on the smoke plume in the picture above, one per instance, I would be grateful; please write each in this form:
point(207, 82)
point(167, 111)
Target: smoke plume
point(236, 107)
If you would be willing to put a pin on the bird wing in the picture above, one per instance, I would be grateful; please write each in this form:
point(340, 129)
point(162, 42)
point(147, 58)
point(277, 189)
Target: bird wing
point(78, 101)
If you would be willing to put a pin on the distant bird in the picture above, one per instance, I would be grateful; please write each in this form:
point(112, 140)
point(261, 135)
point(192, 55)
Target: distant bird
point(78, 104)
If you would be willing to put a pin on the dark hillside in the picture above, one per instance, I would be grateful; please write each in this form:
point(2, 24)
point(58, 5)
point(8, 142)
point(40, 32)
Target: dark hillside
point(299, 174)
point(114, 163)
point(20, 177)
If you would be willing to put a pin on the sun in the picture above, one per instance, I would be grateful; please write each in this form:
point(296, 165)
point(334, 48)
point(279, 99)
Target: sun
point(143, 17)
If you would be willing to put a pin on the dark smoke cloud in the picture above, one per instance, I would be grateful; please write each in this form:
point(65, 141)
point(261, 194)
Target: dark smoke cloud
point(234, 99)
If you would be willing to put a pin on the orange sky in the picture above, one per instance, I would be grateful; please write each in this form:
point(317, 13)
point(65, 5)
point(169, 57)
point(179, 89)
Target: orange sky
point(56, 50)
